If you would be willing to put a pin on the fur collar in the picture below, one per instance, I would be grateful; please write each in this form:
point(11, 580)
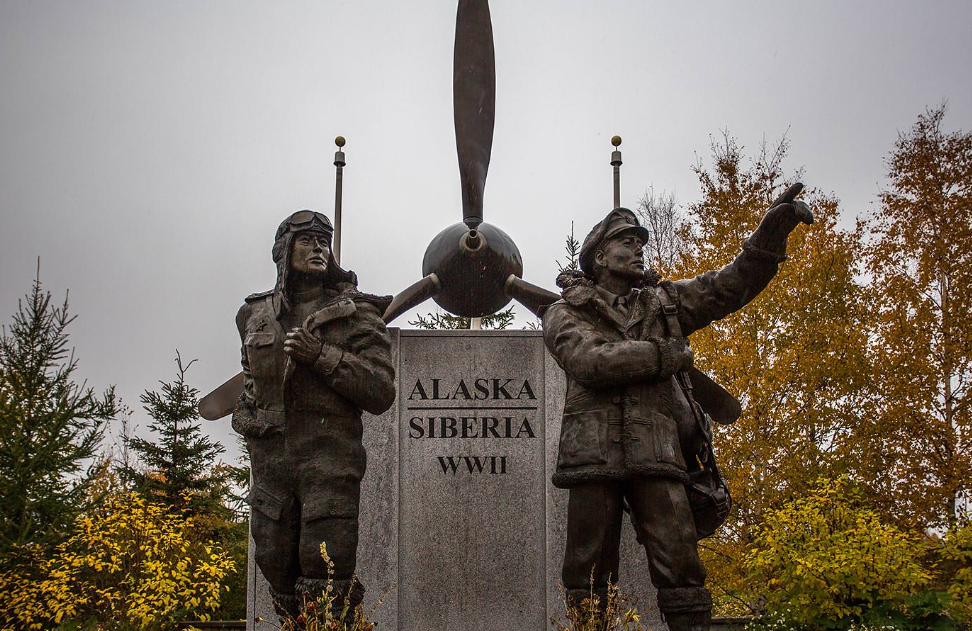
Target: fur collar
point(578, 288)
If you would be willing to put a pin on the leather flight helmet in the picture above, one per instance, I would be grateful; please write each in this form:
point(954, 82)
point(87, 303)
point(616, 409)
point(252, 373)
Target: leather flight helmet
point(305, 221)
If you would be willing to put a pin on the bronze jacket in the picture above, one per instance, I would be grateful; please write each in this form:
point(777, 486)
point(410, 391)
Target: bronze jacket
point(353, 373)
point(625, 415)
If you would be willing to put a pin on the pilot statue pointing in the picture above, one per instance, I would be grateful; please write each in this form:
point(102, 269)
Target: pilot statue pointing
point(632, 431)
point(315, 354)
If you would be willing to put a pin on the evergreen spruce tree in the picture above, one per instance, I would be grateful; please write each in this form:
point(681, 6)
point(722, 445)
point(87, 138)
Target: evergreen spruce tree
point(50, 426)
point(180, 467)
point(439, 320)
point(572, 247)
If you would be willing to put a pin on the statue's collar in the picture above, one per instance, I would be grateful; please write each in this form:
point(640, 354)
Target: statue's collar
point(314, 293)
point(613, 299)
point(580, 290)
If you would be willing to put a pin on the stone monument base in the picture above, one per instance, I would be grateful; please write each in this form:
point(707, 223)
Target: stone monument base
point(460, 526)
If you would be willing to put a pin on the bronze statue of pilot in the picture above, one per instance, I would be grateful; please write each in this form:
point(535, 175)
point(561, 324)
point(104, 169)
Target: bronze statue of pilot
point(631, 429)
point(315, 354)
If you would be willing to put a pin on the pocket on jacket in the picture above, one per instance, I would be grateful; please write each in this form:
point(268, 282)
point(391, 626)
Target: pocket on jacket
point(265, 502)
point(583, 438)
point(667, 446)
point(258, 339)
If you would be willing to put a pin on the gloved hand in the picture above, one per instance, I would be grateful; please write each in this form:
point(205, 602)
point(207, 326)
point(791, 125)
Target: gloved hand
point(782, 217)
point(303, 346)
point(674, 355)
point(684, 357)
point(245, 421)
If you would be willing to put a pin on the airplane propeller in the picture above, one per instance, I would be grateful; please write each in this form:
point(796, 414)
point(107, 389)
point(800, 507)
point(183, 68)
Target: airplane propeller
point(476, 267)
point(471, 268)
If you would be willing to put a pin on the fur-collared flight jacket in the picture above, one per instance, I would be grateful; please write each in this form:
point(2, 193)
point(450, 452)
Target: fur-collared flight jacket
point(625, 416)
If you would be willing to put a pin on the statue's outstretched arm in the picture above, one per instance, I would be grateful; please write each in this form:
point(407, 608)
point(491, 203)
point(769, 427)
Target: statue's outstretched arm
point(714, 295)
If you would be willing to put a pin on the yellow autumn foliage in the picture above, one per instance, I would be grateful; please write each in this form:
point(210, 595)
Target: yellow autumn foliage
point(958, 551)
point(131, 565)
point(919, 264)
point(824, 556)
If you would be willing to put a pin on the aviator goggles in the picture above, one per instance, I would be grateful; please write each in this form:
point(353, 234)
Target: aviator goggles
point(306, 220)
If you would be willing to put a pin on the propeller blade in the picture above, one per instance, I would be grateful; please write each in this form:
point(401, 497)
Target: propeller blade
point(529, 295)
point(221, 401)
point(413, 295)
point(714, 399)
point(474, 102)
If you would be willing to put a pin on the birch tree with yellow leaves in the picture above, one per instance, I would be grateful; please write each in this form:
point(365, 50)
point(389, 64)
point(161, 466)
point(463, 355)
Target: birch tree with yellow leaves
point(920, 262)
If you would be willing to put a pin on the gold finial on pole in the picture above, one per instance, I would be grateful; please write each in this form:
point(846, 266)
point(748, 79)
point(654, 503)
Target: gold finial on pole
point(616, 163)
point(339, 163)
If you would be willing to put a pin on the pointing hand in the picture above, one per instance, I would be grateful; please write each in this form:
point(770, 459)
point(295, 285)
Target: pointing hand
point(782, 217)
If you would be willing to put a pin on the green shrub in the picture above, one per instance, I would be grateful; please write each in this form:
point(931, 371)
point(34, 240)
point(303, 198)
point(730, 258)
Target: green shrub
point(824, 561)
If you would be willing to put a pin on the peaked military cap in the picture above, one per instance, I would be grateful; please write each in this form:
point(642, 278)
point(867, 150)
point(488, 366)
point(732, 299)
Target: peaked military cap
point(617, 221)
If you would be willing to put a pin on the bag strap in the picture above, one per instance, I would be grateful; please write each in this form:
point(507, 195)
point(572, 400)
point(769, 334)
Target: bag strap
point(706, 458)
point(670, 311)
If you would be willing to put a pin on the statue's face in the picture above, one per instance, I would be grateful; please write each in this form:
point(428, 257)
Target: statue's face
point(310, 254)
point(622, 256)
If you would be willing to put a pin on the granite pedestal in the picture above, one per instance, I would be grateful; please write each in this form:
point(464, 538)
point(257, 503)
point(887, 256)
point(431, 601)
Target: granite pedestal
point(460, 526)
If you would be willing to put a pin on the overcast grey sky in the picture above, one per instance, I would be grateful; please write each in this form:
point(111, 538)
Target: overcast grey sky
point(148, 150)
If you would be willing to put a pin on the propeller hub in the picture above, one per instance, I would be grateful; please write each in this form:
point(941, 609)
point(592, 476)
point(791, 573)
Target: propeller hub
point(472, 242)
point(472, 266)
